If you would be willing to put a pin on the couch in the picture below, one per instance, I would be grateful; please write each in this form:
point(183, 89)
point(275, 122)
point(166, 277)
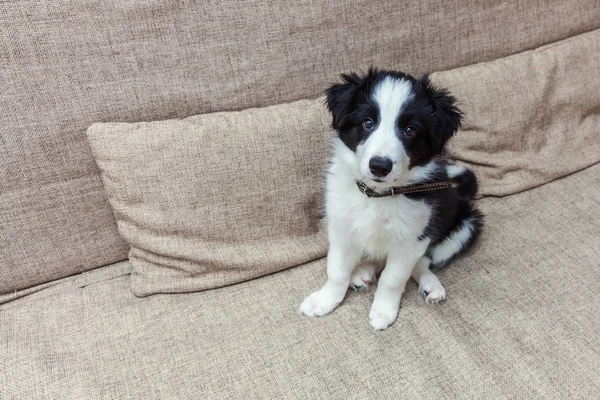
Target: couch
point(521, 319)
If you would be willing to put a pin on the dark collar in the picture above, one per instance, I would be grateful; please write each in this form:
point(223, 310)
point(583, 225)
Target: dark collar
point(400, 190)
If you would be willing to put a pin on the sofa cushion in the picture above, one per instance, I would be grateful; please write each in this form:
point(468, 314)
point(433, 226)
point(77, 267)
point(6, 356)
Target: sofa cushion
point(67, 64)
point(219, 198)
point(86, 278)
point(531, 117)
point(521, 321)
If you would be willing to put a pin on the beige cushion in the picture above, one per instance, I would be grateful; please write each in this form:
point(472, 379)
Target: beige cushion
point(531, 117)
point(219, 198)
point(57, 286)
point(521, 321)
point(66, 65)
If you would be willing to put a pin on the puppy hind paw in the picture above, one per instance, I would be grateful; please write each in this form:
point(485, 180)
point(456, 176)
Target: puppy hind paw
point(433, 294)
point(363, 277)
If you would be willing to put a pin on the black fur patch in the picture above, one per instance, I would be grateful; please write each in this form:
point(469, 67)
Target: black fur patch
point(466, 184)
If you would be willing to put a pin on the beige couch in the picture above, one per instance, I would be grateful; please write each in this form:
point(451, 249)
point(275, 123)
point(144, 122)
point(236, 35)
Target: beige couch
point(521, 319)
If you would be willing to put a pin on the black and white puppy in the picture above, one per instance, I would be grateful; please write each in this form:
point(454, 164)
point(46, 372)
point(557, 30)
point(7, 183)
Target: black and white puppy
point(391, 131)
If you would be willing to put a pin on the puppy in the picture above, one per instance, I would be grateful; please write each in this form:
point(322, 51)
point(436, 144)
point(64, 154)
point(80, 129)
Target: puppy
point(391, 196)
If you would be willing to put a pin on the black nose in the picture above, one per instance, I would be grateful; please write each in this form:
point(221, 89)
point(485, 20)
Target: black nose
point(380, 166)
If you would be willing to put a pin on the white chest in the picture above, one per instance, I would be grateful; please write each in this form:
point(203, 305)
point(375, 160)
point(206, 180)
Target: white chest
point(376, 224)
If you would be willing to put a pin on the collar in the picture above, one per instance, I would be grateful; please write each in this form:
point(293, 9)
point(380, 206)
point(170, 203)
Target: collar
point(400, 190)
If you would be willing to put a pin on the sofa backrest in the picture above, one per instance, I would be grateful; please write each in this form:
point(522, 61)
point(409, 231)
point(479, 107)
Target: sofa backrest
point(67, 64)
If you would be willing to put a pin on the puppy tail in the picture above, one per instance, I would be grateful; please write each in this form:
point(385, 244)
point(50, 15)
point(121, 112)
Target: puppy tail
point(467, 226)
point(464, 180)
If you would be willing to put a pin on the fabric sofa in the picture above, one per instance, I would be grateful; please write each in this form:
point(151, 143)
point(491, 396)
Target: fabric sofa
point(521, 319)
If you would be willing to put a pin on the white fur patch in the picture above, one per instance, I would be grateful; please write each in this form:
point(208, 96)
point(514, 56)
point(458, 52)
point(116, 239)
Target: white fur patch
point(453, 244)
point(430, 287)
point(455, 170)
point(374, 224)
point(390, 95)
point(421, 173)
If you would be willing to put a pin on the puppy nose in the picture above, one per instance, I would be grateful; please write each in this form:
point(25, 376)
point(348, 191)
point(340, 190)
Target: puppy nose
point(380, 166)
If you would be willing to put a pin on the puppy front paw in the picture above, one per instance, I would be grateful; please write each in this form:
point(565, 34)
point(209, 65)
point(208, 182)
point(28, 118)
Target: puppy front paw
point(319, 303)
point(382, 316)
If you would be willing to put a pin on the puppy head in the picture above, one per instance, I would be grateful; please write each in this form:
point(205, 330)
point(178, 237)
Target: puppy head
point(391, 121)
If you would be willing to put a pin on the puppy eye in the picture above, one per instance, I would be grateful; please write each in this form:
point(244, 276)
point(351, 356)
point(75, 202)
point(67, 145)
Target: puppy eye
point(368, 124)
point(410, 131)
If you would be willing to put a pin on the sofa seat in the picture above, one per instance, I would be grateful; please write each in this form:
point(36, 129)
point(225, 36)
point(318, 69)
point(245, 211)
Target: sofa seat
point(521, 321)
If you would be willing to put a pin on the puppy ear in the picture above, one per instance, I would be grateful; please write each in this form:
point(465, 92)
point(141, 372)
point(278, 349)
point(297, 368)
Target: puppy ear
point(340, 95)
point(447, 115)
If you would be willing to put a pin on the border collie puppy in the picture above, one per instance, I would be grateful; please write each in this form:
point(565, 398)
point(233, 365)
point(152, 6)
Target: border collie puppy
point(391, 197)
